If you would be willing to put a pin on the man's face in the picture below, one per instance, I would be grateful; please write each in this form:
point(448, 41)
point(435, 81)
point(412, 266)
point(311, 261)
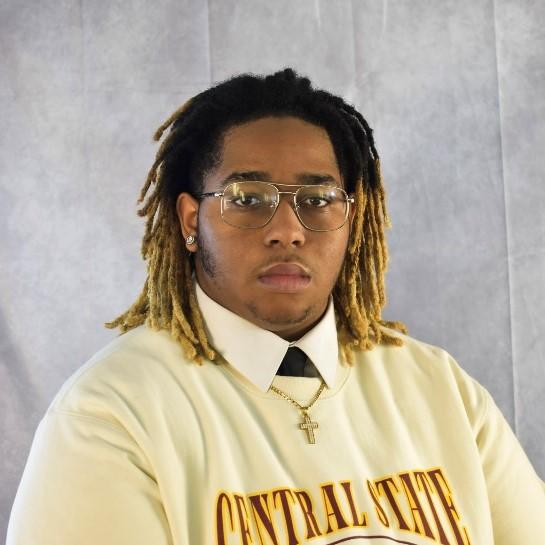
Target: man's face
point(235, 266)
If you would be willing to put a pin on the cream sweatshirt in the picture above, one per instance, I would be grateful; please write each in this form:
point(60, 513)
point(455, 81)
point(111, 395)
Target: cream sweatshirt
point(141, 447)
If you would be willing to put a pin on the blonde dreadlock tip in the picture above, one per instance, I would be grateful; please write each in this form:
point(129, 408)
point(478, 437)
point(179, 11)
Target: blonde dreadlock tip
point(211, 355)
point(198, 359)
point(158, 133)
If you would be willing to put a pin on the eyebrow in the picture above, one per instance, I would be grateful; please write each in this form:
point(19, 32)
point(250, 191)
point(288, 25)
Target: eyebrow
point(304, 178)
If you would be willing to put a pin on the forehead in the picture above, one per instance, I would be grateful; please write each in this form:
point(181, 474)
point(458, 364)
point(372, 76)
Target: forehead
point(283, 148)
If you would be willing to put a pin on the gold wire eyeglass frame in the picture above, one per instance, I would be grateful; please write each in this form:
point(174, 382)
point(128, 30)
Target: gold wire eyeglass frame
point(348, 200)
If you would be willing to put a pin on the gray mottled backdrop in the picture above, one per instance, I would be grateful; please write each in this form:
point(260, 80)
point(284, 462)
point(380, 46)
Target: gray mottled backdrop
point(454, 89)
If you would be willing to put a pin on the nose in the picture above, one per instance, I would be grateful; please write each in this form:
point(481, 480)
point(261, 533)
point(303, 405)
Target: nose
point(285, 229)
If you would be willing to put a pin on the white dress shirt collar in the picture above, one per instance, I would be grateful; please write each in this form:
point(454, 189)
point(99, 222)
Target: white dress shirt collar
point(258, 353)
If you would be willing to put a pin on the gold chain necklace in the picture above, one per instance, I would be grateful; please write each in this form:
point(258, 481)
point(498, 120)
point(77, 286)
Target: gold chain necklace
point(307, 424)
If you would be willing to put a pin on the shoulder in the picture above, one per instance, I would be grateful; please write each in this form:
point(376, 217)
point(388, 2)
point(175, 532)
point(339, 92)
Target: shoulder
point(131, 369)
point(418, 368)
point(413, 351)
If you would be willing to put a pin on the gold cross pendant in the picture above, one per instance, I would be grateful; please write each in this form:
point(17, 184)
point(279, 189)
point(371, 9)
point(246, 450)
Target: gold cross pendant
point(309, 426)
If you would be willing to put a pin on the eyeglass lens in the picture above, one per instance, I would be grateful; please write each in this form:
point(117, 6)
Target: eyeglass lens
point(252, 204)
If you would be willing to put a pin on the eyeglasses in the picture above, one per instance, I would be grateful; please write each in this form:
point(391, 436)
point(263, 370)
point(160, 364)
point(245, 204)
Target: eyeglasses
point(252, 204)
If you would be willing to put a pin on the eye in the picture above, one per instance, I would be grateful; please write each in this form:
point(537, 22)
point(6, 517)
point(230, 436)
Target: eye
point(316, 202)
point(246, 201)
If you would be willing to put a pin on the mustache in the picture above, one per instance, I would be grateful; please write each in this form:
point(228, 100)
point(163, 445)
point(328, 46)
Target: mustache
point(284, 258)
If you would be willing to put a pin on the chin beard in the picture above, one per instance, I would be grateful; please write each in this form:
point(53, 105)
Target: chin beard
point(280, 318)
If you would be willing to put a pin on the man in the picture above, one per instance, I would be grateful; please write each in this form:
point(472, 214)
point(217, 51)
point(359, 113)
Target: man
point(256, 395)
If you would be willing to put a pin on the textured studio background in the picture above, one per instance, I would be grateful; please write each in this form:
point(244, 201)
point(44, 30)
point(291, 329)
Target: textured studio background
point(455, 91)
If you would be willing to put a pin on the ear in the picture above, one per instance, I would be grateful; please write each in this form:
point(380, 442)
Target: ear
point(187, 208)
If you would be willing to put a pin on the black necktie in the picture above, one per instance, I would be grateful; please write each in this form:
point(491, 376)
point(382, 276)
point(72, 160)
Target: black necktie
point(293, 364)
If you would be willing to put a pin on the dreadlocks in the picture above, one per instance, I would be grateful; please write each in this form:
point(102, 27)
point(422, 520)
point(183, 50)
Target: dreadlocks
point(193, 147)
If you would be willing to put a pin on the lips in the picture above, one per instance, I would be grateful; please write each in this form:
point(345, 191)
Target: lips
point(285, 277)
point(285, 269)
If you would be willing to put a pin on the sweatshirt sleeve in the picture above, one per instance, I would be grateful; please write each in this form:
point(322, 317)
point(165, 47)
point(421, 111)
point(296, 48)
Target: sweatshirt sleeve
point(516, 493)
point(86, 481)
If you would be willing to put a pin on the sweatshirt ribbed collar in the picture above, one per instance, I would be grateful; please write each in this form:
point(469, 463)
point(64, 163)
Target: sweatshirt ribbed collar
point(258, 353)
